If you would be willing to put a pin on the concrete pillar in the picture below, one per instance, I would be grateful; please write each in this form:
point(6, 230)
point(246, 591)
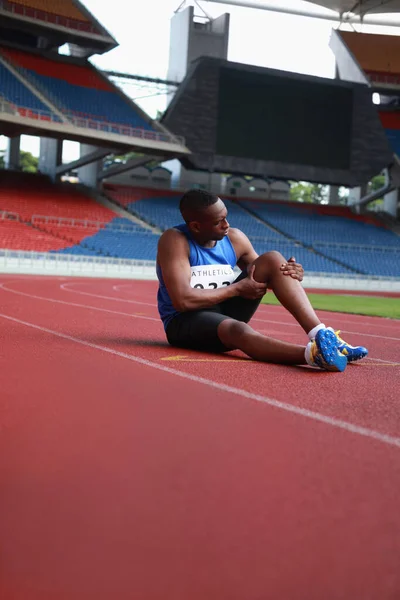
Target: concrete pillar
point(50, 156)
point(12, 154)
point(334, 195)
point(190, 39)
point(391, 202)
point(88, 174)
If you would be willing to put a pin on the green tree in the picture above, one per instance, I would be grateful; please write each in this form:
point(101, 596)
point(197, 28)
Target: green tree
point(28, 162)
point(301, 191)
point(375, 184)
point(2, 163)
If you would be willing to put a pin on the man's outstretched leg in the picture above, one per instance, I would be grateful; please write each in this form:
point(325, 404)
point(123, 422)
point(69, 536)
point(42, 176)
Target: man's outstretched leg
point(320, 352)
point(280, 277)
point(323, 349)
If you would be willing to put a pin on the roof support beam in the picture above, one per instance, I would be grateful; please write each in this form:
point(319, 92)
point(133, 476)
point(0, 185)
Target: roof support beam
point(133, 163)
point(334, 16)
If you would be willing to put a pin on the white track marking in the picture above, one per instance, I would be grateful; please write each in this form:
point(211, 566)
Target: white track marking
point(389, 323)
point(3, 287)
point(374, 335)
point(309, 414)
point(115, 312)
point(65, 287)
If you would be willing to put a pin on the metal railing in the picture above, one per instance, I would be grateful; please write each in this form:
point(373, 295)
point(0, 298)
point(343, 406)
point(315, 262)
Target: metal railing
point(16, 260)
point(126, 130)
point(350, 246)
point(89, 124)
point(53, 19)
point(72, 223)
point(30, 113)
point(6, 215)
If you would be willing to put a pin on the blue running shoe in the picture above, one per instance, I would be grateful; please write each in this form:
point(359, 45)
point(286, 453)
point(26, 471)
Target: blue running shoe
point(325, 351)
point(352, 353)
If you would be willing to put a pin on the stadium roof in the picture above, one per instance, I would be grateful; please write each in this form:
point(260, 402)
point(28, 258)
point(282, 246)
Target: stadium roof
point(360, 6)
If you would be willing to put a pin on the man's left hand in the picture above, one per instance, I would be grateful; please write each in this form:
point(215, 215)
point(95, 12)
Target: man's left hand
point(293, 269)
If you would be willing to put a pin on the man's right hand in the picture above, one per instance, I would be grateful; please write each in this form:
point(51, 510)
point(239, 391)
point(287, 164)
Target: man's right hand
point(250, 288)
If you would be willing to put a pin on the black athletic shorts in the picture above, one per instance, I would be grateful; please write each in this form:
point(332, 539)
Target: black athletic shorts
point(197, 329)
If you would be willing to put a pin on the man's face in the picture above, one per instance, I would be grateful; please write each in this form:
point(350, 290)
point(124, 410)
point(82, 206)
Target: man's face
point(211, 223)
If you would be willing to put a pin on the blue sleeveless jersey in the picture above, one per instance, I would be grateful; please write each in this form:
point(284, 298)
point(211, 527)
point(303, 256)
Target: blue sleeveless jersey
point(211, 268)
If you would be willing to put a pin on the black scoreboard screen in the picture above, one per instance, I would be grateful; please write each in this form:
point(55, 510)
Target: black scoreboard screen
point(269, 117)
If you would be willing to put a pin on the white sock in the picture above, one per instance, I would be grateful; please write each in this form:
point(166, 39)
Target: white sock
point(314, 331)
point(307, 355)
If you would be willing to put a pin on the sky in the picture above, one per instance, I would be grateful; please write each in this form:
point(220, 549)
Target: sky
point(258, 37)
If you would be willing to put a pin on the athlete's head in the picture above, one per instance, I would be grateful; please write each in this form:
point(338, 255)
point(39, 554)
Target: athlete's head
point(205, 215)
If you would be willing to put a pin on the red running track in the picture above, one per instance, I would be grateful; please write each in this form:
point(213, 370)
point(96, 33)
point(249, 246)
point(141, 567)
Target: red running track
point(132, 470)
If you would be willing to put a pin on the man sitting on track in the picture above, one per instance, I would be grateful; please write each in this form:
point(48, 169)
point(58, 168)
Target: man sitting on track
point(204, 307)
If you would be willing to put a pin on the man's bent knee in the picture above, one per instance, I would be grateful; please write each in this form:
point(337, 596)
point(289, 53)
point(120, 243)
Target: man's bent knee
point(231, 332)
point(272, 257)
point(267, 265)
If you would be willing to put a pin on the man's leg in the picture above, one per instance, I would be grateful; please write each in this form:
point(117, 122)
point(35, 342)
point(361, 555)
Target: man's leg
point(236, 335)
point(289, 291)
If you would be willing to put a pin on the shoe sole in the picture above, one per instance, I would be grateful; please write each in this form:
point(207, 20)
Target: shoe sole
point(331, 359)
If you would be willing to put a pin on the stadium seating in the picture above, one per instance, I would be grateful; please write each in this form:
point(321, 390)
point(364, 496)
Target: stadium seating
point(312, 227)
point(369, 261)
point(317, 240)
point(134, 244)
point(22, 236)
point(163, 211)
point(21, 98)
point(78, 91)
point(59, 12)
point(29, 194)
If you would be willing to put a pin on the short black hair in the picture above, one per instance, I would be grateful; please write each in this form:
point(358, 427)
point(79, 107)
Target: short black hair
point(194, 201)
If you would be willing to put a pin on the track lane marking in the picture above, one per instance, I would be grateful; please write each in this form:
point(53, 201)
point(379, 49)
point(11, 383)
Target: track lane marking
point(153, 305)
point(309, 414)
point(132, 315)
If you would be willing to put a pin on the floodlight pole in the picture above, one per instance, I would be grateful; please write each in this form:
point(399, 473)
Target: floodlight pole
point(334, 16)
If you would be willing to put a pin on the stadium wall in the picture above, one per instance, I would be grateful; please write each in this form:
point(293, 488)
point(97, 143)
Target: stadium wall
point(35, 263)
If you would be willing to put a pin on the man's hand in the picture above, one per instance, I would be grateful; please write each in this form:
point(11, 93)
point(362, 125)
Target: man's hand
point(293, 269)
point(250, 288)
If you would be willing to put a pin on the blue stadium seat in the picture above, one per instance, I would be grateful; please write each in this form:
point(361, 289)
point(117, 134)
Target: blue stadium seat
point(101, 105)
point(133, 244)
point(15, 92)
point(312, 228)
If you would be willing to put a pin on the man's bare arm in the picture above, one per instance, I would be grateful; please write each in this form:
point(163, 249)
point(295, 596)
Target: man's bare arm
point(173, 258)
point(246, 255)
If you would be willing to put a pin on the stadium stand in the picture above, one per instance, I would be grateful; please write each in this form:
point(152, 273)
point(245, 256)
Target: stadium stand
point(58, 12)
point(47, 217)
point(20, 97)
point(15, 235)
point(77, 90)
point(30, 194)
point(318, 224)
point(162, 211)
point(60, 218)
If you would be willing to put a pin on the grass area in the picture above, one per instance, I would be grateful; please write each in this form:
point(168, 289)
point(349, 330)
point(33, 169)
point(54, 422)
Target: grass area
point(358, 305)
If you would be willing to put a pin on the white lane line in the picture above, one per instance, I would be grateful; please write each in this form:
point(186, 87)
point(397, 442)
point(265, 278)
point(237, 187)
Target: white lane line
point(115, 312)
point(389, 323)
point(309, 414)
point(344, 329)
point(133, 316)
point(65, 287)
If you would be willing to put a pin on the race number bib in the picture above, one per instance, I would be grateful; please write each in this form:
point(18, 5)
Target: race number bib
point(208, 277)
